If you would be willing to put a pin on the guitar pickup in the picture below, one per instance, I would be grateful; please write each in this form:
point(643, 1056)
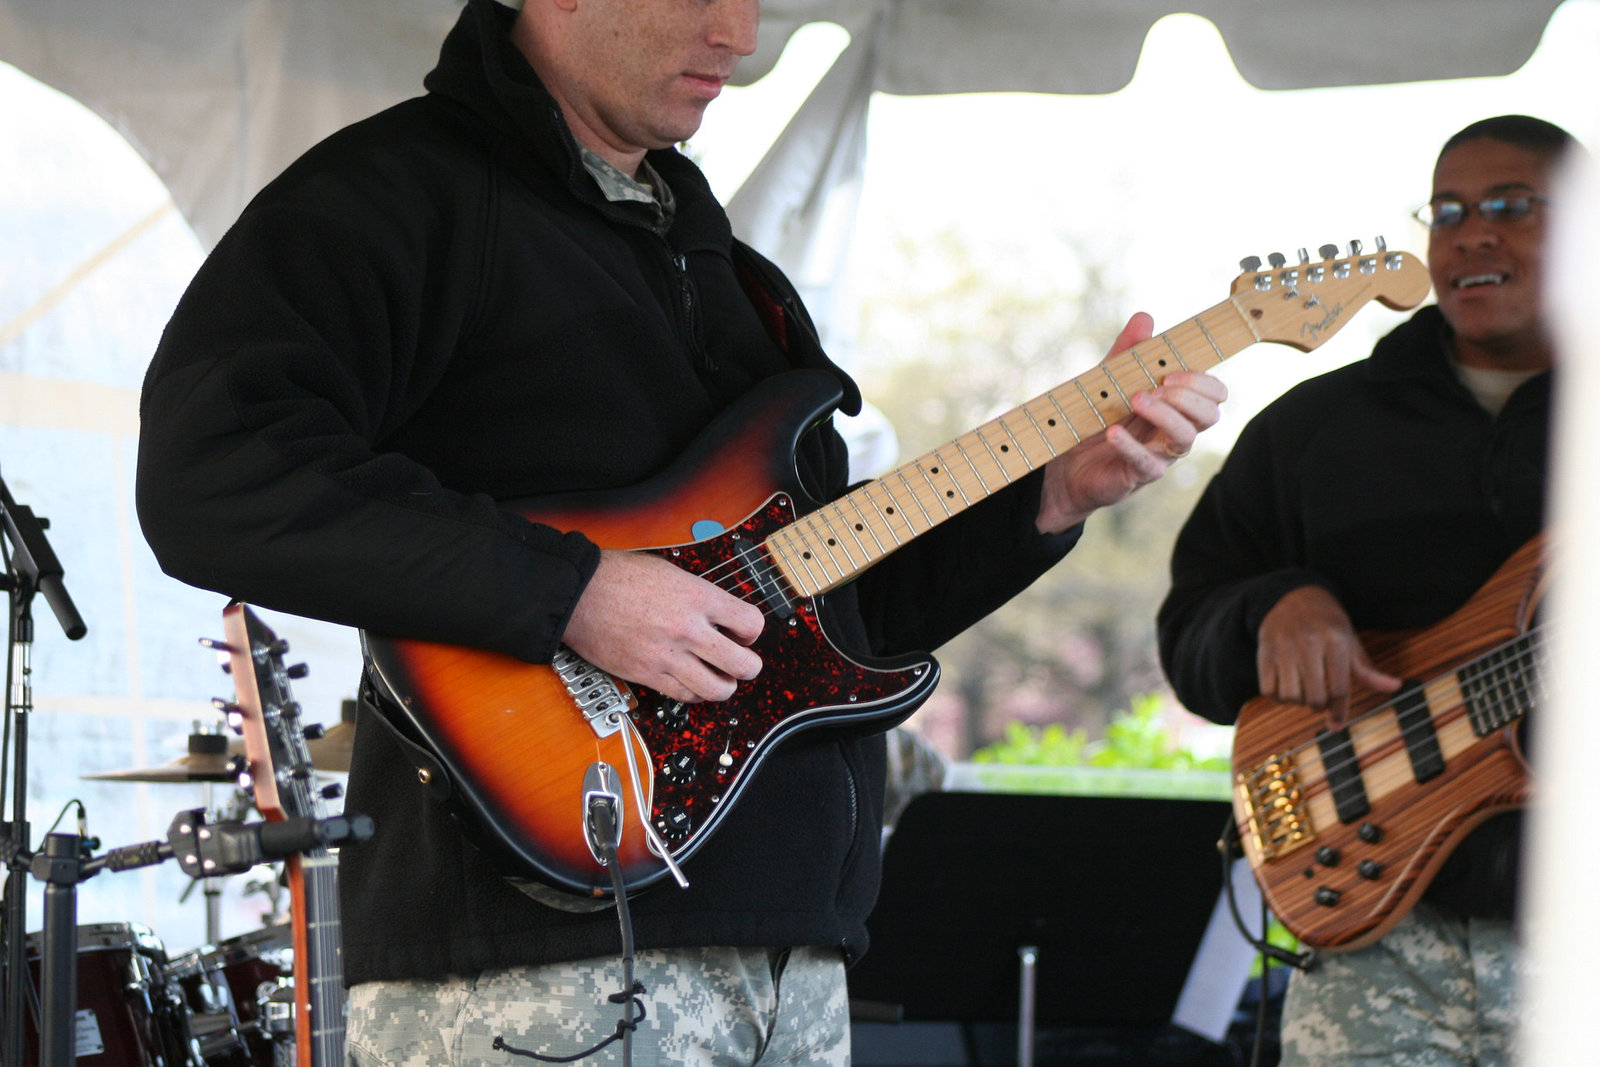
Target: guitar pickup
point(1275, 816)
point(766, 578)
point(601, 698)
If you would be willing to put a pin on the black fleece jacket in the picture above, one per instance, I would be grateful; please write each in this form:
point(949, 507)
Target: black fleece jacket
point(1388, 484)
point(435, 311)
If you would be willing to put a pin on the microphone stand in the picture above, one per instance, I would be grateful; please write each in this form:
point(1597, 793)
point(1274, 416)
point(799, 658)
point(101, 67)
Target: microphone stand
point(31, 567)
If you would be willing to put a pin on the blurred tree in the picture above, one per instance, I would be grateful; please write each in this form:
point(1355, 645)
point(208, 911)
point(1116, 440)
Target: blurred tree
point(963, 341)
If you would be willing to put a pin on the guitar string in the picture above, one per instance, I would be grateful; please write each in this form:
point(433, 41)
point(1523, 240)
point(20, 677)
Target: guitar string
point(1523, 666)
point(1128, 365)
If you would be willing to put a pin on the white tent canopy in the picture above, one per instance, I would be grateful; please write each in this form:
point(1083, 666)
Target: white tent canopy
point(220, 95)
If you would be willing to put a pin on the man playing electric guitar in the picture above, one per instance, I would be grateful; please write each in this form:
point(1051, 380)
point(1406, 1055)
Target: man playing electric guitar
point(1380, 497)
point(516, 287)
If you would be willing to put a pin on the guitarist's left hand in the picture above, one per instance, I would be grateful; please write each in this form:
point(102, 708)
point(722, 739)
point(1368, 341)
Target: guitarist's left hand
point(1105, 468)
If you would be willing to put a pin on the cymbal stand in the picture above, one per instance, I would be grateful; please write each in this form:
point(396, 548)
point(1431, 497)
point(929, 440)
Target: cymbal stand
point(30, 567)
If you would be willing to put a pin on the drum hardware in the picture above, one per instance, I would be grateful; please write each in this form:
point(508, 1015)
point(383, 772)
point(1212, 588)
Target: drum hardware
point(202, 848)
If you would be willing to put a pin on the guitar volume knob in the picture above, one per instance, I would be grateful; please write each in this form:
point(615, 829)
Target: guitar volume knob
point(1326, 896)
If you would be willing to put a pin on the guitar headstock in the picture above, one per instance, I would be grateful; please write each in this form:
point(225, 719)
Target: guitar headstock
point(268, 718)
point(1303, 304)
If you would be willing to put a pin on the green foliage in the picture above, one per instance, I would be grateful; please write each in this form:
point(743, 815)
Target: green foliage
point(1135, 738)
point(1138, 756)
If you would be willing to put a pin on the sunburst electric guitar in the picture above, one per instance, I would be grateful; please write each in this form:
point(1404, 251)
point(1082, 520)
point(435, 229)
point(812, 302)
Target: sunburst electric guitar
point(1345, 829)
point(526, 744)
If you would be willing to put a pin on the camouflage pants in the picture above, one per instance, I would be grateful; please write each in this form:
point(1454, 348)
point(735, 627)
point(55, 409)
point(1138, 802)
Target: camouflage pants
point(714, 1007)
point(1436, 991)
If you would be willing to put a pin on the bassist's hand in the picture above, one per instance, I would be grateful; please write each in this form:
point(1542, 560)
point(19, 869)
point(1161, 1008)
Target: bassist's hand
point(644, 620)
point(1136, 451)
point(1307, 652)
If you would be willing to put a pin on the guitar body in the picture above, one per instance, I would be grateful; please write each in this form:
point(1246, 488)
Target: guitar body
point(513, 735)
point(1338, 877)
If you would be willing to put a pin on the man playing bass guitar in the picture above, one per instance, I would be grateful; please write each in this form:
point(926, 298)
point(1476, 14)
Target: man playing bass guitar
point(1381, 497)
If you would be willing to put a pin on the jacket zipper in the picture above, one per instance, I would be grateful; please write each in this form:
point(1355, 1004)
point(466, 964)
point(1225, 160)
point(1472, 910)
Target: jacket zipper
point(689, 306)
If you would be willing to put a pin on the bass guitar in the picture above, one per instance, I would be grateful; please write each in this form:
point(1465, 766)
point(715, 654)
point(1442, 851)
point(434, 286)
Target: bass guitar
point(529, 745)
point(1345, 829)
point(285, 788)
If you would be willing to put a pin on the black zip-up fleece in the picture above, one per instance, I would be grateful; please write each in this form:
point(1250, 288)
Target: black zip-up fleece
point(436, 310)
point(1386, 482)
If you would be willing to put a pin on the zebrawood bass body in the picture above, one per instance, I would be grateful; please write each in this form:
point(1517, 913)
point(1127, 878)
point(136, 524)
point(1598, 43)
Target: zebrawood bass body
point(1345, 830)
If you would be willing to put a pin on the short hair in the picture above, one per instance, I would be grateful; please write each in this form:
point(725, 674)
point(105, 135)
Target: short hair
point(1521, 131)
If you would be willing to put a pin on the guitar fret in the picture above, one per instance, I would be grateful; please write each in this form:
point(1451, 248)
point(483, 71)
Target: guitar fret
point(865, 523)
point(1040, 431)
point(954, 481)
point(1134, 352)
point(914, 496)
point(1209, 339)
point(976, 473)
point(938, 497)
point(1065, 418)
point(1105, 368)
point(1090, 401)
point(1021, 452)
point(1175, 353)
point(823, 545)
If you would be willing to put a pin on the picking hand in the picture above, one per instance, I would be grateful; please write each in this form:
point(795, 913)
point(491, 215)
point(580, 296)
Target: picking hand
point(1307, 653)
point(644, 620)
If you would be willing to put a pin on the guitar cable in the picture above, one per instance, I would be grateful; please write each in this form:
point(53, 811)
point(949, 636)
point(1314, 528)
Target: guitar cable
point(603, 823)
point(1230, 848)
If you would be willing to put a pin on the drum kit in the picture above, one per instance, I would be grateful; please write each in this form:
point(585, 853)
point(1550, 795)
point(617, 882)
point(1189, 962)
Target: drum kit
point(226, 1003)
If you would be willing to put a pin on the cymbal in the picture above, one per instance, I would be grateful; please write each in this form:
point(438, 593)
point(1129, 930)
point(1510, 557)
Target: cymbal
point(207, 760)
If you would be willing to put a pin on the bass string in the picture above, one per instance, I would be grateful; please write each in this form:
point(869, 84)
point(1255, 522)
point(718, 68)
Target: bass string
point(1524, 664)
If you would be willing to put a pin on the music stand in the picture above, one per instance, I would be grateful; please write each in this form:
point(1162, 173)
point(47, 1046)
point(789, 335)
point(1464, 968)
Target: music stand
point(1111, 894)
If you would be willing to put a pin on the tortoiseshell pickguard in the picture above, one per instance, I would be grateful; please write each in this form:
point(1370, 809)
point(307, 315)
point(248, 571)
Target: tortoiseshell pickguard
point(702, 753)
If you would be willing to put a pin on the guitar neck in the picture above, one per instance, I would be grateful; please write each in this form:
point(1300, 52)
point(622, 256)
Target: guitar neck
point(835, 543)
point(319, 986)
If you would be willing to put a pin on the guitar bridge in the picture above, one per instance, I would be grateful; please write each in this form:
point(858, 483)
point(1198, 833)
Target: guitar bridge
point(601, 698)
point(1270, 795)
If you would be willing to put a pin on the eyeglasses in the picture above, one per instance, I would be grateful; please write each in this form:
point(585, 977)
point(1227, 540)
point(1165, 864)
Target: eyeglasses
point(1447, 214)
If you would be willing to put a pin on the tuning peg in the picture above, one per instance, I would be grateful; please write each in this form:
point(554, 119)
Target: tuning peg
point(290, 710)
point(297, 671)
point(1250, 263)
point(1355, 247)
point(1383, 246)
point(1276, 259)
point(314, 731)
point(214, 644)
point(332, 791)
point(1305, 257)
point(1329, 251)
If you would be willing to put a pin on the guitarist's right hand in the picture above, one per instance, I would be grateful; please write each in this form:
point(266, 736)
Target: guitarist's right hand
point(1307, 652)
point(646, 621)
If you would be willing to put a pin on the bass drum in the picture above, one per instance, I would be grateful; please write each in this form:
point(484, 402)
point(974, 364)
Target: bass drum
point(128, 1015)
point(221, 986)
